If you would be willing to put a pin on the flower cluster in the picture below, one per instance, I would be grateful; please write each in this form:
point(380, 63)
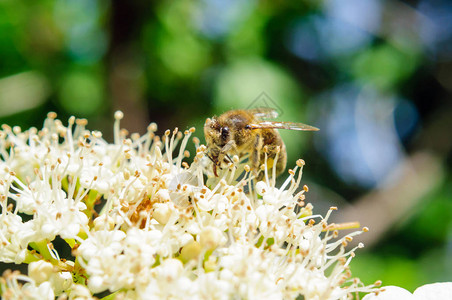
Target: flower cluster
point(143, 223)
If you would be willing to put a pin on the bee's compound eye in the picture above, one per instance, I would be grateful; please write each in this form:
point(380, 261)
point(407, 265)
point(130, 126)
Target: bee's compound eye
point(224, 132)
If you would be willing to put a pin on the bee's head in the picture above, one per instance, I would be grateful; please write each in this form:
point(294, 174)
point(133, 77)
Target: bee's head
point(217, 134)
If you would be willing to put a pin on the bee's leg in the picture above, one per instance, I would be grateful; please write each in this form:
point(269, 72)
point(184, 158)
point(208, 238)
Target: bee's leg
point(228, 147)
point(222, 154)
point(255, 158)
point(214, 165)
point(210, 157)
point(215, 170)
point(282, 160)
point(224, 151)
point(255, 165)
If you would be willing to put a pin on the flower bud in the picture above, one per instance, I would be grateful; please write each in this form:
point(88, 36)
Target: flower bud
point(210, 237)
point(40, 271)
point(162, 212)
point(190, 251)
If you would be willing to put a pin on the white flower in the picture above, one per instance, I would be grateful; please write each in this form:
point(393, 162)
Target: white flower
point(102, 243)
point(43, 291)
point(145, 224)
point(40, 271)
point(16, 286)
point(162, 212)
point(211, 237)
point(255, 278)
point(433, 291)
point(61, 281)
point(80, 292)
point(14, 237)
point(62, 217)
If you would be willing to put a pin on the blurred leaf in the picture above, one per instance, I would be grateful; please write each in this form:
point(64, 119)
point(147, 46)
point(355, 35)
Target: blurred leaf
point(81, 92)
point(184, 55)
point(437, 263)
point(384, 66)
point(392, 270)
point(433, 223)
point(170, 13)
point(249, 38)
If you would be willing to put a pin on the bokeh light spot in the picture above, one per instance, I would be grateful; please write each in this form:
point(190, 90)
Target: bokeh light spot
point(81, 93)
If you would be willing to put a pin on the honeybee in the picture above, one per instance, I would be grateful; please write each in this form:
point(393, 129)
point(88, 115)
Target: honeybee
point(248, 132)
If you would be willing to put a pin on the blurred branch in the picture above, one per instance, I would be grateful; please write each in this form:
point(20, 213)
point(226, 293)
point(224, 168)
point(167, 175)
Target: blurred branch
point(408, 184)
point(405, 187)
point(124, 61)
point(22, 91)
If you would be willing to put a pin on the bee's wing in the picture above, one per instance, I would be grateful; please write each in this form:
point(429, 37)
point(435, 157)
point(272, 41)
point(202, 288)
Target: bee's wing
point(282, 125)
point(264, 113)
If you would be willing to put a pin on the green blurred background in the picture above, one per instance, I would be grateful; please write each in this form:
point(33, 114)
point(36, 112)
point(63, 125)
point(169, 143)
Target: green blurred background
point(375, 76)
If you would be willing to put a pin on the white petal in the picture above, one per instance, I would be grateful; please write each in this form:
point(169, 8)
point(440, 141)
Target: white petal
point(391, 293)
point(436, 291)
